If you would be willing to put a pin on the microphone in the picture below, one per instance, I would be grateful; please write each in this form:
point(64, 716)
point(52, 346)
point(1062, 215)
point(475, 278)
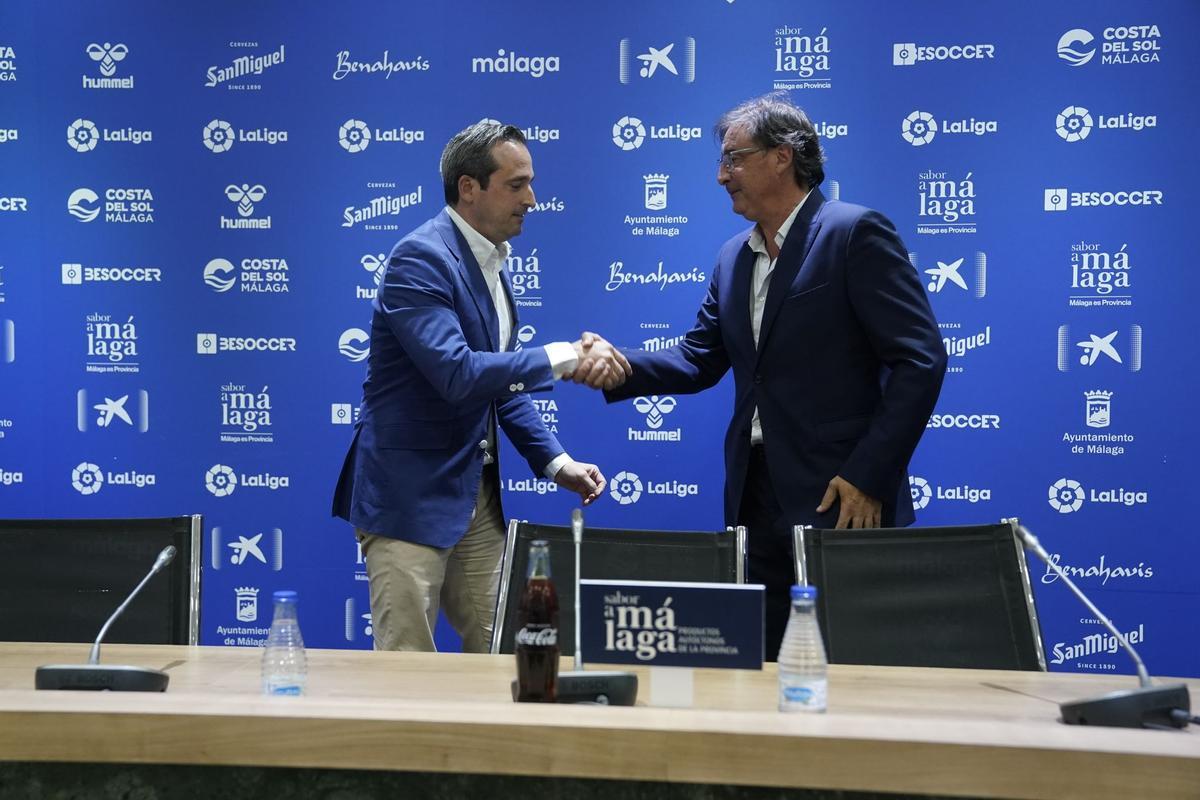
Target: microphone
point(105, 677)
point(1147, 706)
point(602, 687)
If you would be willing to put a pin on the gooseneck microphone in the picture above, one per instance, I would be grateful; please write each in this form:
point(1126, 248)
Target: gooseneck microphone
point(96, 676)
point(1148, 706)
point(598, 687)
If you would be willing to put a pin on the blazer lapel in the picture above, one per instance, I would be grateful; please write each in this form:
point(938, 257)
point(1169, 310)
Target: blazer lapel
point(791, 258)
point(739, 295)
point(472, 276)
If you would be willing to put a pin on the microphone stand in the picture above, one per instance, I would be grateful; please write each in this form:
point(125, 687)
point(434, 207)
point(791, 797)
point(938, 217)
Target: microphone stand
point(1147, 706)
point(108, 677)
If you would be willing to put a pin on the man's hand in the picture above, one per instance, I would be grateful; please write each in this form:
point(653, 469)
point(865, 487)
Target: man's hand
point(601, 366)
point(858, 510)
point(585, 480)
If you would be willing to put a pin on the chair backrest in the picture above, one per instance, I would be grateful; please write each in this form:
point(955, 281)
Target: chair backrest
point(61, 579)
point(954, 596)
point(709, 556)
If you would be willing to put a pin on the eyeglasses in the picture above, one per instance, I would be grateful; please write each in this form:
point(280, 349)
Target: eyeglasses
point(732, 160)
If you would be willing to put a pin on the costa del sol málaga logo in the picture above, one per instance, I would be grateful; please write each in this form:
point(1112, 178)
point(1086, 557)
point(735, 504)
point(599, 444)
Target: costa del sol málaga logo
point(220, 480)
point(1066, 495)
point(217, 274)
point(218, 136)
point(626, 488)
point(1074, 123)
point(82, 135)
point(628, 133)
point(919, 128)
point(354, 136)
point(87, 478)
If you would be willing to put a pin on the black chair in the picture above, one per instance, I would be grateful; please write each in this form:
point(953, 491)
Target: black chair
point(610, 554)
point(60, 579)
point(955, 596)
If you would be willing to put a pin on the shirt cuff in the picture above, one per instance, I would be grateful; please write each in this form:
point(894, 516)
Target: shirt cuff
point(557, 463)
point(562, 359)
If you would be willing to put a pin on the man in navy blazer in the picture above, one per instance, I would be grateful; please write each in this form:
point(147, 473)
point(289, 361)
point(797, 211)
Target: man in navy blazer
point(836, 356)
point(420, 482)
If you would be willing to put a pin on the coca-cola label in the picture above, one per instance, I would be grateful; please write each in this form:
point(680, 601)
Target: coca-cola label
point(531, 636)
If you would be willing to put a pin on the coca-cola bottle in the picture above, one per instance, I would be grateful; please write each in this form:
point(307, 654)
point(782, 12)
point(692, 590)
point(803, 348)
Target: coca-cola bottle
point(537, 632)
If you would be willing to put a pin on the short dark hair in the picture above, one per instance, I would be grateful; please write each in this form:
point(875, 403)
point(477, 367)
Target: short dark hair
point(469, 152)
point(774, 120)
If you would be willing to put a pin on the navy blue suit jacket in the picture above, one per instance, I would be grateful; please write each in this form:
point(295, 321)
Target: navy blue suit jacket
point(434, 378)
point(847, 370)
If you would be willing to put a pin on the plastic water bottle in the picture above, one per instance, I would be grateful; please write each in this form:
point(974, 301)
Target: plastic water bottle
point(284, 665)
point(802, 666)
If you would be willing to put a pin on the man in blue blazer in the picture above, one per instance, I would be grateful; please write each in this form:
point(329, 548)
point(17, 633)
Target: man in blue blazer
point(836, 356)
point(420, 482)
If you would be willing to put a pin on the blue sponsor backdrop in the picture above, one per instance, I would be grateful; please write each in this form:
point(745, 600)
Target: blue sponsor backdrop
point(193, 206)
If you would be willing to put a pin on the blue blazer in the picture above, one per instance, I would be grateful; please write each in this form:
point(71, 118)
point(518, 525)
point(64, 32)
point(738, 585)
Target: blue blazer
point(846, 373)
point(434, 379)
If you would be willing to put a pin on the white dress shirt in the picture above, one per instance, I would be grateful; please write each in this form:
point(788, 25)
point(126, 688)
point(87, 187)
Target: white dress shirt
point(764, 266)
point(491, 259)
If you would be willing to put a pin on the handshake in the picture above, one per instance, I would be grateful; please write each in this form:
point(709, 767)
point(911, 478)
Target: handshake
point(600, 365)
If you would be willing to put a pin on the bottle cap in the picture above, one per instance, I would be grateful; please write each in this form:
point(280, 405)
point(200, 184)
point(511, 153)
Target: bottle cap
point(286, 596)
point(804, 593)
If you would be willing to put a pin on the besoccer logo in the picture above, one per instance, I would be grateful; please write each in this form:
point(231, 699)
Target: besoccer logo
point(628, 133)
point(919, 128)
point(220, 480)
point(626, 488)
point(218, 136)
point(655, 408)
point(1066, 495)
point(920, 491)
point(87, 478)
point(1071, 44)
point(82, 135)
point(1074, 123)
point(354, 136)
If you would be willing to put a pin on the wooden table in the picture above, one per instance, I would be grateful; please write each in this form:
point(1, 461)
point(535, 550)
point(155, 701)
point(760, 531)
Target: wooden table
point(918, 731)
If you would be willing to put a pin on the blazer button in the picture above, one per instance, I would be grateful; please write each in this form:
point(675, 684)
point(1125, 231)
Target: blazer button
point(758, 379)
point(512, 387)
point(483, 445)
point(520, 387)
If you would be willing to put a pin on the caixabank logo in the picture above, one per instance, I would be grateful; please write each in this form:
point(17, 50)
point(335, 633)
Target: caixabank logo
point(128, 410)
point(1067, 495)
point(238, 548)
point(222, 480)
point(8, 341)
point(89, 479)
point(949, 273)
point(1100, 349)
point(665, 59)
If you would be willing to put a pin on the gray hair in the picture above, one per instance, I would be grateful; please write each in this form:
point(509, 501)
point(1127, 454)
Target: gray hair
point(469, 152)
point(773, 120)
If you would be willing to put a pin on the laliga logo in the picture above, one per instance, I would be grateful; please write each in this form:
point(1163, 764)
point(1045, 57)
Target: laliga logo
point(1070, 44)
point(628, 133)
point(216, 275)
point(87, 478)
point(82, 135)
point(218, 136)
point(920, 491)
point(1066, 495)
point(245, 196)
point(1074, 123)
point(655, 408)
point(919, 128)
point(626, 488)
point(354, 136)
point(220, 480)
point(354, 344)
point(108, 55)
point(80, 204)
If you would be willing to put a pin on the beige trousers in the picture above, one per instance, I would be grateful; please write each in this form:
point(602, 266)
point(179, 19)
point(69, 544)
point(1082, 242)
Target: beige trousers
point(409, 582)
